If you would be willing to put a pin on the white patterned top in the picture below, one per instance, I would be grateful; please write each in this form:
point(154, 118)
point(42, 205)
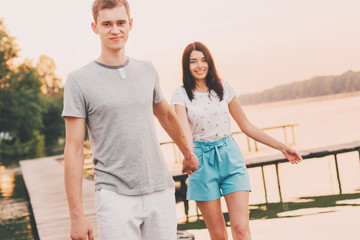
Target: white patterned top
point(209, 117)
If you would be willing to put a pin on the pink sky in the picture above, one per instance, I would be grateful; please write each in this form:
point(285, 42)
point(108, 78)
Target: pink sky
point(256, 44)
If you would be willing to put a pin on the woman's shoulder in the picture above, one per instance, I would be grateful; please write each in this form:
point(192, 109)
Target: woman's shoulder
point(179, 96)
point(225, 83)
point(179, 91)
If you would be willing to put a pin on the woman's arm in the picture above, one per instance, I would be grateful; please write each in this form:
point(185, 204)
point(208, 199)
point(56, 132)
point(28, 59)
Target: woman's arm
point(258, 135)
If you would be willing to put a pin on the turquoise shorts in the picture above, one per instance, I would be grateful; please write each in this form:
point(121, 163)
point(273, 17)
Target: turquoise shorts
point(222, 170)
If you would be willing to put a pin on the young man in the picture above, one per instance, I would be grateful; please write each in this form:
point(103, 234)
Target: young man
point(115, 97)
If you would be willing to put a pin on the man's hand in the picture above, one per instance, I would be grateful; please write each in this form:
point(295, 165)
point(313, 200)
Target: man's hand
point(81, 229)
point(190, 164)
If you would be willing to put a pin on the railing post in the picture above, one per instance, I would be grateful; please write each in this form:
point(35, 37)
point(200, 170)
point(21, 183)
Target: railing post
point(337, 173)
point(248, 143)
point(285, 135)
point(359, 155)
point(293, 135)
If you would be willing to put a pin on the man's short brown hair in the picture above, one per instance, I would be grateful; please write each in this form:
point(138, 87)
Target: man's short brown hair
point(108, 4)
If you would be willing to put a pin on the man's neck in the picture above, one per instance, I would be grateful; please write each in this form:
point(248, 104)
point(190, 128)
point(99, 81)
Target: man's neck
point(112, 58)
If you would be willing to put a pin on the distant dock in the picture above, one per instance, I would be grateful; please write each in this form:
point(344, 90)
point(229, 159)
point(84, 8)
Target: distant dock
point(44, 179)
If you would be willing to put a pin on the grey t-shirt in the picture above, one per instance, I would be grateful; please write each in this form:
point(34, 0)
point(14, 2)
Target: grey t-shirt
point(117, 103)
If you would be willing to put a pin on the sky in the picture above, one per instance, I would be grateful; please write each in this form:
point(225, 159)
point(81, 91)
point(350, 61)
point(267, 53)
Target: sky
point(256, 44)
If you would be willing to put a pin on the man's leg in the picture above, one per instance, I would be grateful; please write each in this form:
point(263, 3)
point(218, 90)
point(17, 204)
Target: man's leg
point(160, 211)
point(118, 216)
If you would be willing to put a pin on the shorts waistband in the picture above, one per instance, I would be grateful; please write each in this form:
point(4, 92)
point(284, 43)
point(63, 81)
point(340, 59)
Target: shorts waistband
point(221, 141)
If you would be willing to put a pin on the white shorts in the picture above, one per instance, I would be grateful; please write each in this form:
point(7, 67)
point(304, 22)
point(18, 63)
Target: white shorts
point(148, 217)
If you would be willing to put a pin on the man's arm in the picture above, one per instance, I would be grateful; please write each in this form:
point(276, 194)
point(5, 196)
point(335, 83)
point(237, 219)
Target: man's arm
point(73, 172)
point(172, 126)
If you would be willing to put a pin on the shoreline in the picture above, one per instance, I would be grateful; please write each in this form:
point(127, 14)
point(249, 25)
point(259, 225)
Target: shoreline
point(305, 100)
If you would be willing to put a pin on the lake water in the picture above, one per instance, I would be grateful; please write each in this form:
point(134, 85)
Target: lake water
point(16, 220)
point(312, 207)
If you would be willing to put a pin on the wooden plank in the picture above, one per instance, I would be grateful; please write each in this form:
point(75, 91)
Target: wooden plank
point(44, 179)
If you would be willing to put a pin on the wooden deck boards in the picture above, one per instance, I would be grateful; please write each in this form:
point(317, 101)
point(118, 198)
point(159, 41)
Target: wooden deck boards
point(44, 179)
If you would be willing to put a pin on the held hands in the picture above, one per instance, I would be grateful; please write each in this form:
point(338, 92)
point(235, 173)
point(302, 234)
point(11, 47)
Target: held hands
point(291, 155)
point(81, 229)
point(190, 164)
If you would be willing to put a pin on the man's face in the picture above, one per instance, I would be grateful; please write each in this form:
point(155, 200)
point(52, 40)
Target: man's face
point(113, 27)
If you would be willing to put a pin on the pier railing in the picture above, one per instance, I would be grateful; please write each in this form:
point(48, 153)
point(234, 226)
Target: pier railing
point(288, 133)
point(309, 154)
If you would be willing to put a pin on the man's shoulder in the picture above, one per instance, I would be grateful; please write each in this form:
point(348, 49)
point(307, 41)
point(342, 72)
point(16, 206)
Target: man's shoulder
point(140, 63)
point(85, 70)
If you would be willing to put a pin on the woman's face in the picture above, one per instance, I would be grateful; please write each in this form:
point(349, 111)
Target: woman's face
point(198, 66)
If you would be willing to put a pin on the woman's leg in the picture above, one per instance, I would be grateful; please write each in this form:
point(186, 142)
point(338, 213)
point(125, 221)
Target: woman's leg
point(238, 207)
point(214, 219)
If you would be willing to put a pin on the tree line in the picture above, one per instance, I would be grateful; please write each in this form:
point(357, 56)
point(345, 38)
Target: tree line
point(30, 105)
point(316, 86)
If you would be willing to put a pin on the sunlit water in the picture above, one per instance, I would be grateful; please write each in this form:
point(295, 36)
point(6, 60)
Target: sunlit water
point(312, 207)
point(16, 221)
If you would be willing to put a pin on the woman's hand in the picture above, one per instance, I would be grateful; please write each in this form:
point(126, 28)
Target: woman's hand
point(291, 155)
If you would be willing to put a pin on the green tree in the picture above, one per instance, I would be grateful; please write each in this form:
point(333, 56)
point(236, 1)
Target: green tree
point(53, 98)
point(54, 126)
point(21, 115)
point(8, 52)
point(30, 105)
point(21, 105)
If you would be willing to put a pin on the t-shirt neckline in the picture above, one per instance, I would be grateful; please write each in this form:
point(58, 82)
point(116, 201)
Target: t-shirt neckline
point(113, 67)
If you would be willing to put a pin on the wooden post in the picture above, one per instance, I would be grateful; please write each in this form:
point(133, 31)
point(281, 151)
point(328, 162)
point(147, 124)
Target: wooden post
point(183, 189)
point(263, 176)
point(278, 181)
point(337, 173)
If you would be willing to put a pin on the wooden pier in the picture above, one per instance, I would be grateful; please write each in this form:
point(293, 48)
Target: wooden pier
point(44, 179)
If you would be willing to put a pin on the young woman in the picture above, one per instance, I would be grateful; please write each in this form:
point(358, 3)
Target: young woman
point(204, 104)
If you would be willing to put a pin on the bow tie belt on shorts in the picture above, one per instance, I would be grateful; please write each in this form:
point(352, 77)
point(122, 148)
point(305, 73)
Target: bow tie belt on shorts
point(210, 150)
